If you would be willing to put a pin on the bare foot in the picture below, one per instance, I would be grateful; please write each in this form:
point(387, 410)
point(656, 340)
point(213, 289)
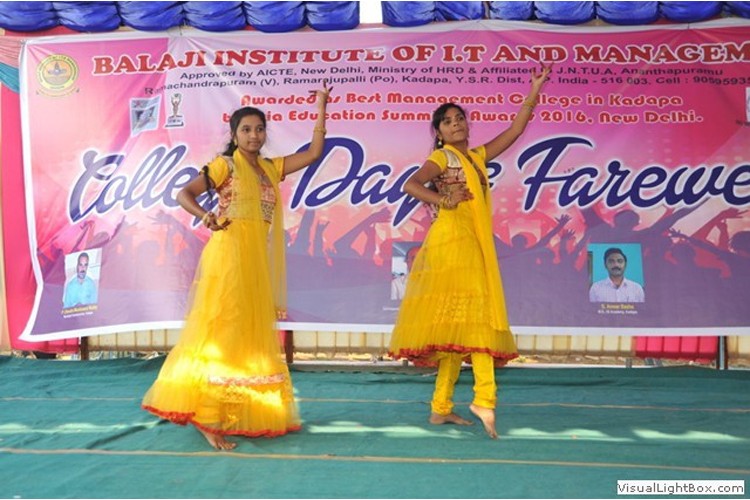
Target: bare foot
point(438, 419)
point(487, 416)
point(217, 440)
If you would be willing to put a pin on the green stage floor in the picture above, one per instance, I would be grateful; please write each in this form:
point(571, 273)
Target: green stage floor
point(71, 429)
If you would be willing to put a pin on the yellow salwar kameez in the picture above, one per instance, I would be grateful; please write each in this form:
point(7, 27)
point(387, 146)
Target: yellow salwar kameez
point(226, 374)
point(454, 306)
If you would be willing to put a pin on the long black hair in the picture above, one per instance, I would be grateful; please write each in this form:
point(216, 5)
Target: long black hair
point(437, 118)
point(234, 123)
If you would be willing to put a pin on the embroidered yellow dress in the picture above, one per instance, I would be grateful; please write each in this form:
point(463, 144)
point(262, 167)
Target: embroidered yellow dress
point(226, 374)
point(454, 298)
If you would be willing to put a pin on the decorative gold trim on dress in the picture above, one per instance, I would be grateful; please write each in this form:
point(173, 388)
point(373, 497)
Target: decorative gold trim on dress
point(247, 381)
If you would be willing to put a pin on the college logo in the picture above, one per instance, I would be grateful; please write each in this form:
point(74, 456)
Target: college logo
point(57, 74)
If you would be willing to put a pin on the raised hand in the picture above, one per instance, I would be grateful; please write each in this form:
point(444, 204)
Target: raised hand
point(731, 213)
point(563, 219)
point(322, 94)
point(302, 159)
point(674, 233)
point(539, 77)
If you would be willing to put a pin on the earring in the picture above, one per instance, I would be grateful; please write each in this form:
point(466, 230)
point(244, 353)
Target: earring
point(439, 143)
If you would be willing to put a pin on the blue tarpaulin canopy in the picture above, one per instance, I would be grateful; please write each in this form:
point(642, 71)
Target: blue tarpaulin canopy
point(290, 16)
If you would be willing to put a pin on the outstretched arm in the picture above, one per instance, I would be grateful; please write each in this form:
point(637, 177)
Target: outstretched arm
point(566, 255)
point(300, 160)
point(729, 213)
point(318, 241)
point(302, 240)
point(701, 244)
point(671, 219)
point(344, 244)
point(561, 221)
point(504, 140)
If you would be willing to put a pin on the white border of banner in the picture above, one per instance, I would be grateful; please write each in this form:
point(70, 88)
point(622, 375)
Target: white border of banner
point(495, 25)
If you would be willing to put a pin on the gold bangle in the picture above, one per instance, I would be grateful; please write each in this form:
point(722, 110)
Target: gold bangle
point(446, 203)
point(205, 217)
point(320, 129)
point(529, 103)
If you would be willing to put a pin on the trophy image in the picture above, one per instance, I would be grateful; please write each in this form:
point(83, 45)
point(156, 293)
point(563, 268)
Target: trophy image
point(176, 99)
point(175, 119)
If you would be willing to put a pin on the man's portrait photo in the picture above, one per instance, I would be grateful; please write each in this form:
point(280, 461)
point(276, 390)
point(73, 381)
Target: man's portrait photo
point(616, 273)
point(82, 276)
point(404, 253)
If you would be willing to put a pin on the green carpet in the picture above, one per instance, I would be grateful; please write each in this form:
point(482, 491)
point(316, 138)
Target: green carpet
point(72, 429)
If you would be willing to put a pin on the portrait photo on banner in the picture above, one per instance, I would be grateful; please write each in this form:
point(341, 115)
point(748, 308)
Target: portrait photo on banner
point(82, 276)
point(404, 253)
point(616, 273)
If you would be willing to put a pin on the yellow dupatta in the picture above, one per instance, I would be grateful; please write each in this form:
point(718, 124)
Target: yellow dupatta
point(275, 240)
point(481, 209)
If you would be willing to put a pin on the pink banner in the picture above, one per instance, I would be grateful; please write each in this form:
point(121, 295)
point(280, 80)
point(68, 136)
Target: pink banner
point(639, 142)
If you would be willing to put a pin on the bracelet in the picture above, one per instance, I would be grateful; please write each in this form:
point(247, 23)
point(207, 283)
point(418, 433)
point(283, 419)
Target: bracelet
point(446, 203)
point(529, 103)
point(320, 129)
point(205, 217)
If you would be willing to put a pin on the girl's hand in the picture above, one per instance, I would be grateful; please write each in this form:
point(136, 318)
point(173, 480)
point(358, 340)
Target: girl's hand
point(322, 94)
point(539, 77)
point(456, 196)
point(212, 222)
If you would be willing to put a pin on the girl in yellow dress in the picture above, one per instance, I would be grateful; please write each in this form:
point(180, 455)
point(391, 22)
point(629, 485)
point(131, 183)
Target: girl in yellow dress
point(454, 305)
point(226, 375)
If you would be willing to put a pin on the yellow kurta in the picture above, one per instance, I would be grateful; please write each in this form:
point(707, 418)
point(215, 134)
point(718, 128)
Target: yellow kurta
point(226, 374)
point(454, 299)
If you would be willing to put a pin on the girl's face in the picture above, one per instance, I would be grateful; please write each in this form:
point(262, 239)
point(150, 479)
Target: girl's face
point(453, 127)
point(250, 135)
